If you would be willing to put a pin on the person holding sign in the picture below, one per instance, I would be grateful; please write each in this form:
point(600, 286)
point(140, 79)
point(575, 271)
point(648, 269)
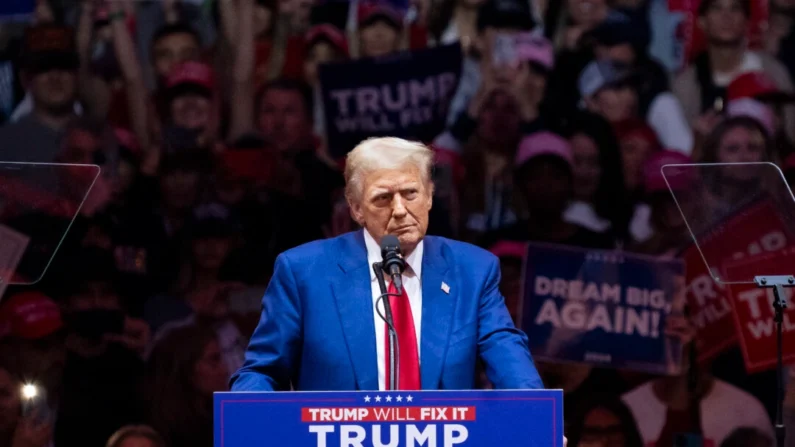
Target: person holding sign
point(380, 29)
point(320, 328)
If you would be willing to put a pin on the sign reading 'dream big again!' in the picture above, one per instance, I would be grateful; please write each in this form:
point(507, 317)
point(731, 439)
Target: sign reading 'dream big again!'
point(602, 307)
point(529, 418)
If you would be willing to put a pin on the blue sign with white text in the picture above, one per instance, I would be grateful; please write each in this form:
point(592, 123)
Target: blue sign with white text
point(601, 307)
point(483, 418)
point(404, 95)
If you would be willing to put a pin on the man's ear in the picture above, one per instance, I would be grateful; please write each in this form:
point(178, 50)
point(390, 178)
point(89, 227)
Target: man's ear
point(356, 211)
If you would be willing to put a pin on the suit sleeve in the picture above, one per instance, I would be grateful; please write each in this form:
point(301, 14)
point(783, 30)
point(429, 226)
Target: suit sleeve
point(502, 347)
point(273, 352)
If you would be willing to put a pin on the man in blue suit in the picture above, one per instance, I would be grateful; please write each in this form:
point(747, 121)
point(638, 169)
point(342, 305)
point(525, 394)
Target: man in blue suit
point(319, 328)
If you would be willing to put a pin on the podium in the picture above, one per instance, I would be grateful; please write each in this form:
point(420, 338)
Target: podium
point(481, 418)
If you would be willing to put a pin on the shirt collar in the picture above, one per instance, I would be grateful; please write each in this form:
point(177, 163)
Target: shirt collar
point(414, 260)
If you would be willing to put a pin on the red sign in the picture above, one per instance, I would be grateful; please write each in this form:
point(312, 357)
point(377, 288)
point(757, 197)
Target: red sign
point(758, 229)
point(753, 311)
point(691, 37)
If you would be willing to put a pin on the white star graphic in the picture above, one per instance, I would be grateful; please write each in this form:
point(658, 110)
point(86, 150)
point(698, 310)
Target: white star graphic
point(367, 398)
point(399, 398)
point(389, 398)
point(378, 398)
point(409, 398)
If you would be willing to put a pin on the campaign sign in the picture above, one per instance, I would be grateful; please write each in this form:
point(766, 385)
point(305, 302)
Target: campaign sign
point(602, 307)
point(753, 310)
point(483, 418)
point(402, 95)
point(753, 230)
point(13, 10)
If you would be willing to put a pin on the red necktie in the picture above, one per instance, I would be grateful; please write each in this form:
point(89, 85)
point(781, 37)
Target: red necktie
point(408, 357)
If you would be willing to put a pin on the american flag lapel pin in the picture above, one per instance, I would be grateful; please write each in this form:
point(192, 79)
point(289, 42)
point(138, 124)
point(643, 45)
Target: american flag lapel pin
point(445, 288)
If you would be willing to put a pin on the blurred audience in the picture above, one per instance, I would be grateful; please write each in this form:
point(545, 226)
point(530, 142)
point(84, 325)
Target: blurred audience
point(184, 370)
point(605, 421)
point(208, 125)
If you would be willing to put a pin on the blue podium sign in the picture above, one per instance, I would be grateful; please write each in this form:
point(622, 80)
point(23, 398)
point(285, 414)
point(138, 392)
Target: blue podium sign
point(483, 418)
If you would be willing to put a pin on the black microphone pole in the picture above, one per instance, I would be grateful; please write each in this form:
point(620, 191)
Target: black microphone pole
point(390, 324)
point(777, 283)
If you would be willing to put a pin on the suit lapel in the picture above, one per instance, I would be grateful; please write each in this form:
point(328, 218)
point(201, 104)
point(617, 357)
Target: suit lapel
point(437, 312)
point(353, 295)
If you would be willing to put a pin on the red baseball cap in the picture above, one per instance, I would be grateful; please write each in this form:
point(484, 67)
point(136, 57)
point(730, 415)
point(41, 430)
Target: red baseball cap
point(191, 73)
point(757, 85)
point(655, 181)
point(330, 33)
point(29, 315)
point(369, 11)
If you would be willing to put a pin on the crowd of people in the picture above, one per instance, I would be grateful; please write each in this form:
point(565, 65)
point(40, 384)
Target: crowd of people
point(207, 122)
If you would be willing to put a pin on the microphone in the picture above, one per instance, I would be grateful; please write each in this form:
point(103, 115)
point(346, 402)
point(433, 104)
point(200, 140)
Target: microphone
point(392, 261)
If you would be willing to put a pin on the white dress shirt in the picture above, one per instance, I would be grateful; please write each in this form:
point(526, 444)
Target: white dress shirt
point(412, 286)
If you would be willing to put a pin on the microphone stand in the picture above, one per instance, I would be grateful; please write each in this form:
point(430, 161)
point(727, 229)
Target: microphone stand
point(777, 283)
point(390, 324)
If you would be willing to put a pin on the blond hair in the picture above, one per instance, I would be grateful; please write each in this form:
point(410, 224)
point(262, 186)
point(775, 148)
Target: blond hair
point(384, 153)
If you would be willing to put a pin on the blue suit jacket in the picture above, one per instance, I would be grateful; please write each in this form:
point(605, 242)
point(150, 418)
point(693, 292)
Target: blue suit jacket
point(317, 331)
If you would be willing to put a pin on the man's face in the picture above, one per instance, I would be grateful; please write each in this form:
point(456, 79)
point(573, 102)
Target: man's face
point(725, 23)
point(397, 202)
point(614, 103)
point(191, 111)
point(54, 90)
point(283, 119)
point(172, 50)
point(378, 39)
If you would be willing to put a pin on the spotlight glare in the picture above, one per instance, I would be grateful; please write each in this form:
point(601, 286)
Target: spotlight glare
point(29, 391)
